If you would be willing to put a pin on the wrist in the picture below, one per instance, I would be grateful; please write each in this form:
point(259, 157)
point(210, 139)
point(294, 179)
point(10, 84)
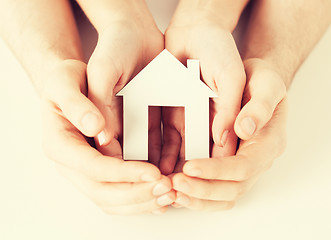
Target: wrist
point(223, 13)
point(104, 14)
point(45, 67)
point(50, 78)
point(270, 64)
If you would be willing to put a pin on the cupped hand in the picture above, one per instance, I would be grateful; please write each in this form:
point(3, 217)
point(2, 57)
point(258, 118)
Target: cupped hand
point(218, 182)
point(124, 47)
point(195, 35)
point(117, 186)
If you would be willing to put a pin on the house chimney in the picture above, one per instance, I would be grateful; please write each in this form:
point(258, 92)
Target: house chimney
point(194, 68)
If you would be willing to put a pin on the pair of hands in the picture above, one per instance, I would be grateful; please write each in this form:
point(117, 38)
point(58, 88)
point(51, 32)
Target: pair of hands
point(130, 187)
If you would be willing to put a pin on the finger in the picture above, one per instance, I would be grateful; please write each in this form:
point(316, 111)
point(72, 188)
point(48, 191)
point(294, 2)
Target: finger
point(113, 149)
point(227, 150)
point(118, 194)
point(179, 165)
point(154, 135)
point(102, 78)
point(151, 206)
point(232, 168)
point(170, 150)
point(208, 189)
point(201, 204)
point(77, 154)
point(173, 130)
point(230, 84)
point(66, 91)
point(266, 90)
point(106, 76)
point(223, 71)
point(253, 156)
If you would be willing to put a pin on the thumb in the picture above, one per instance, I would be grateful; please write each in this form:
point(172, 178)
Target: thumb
point(265, 89)
point(66, 91)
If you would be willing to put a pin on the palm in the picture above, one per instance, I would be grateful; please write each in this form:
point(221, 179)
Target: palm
point(121, 53)
point(222, 70)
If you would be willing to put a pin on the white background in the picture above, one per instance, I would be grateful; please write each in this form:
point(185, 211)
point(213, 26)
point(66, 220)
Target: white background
point(291, 201)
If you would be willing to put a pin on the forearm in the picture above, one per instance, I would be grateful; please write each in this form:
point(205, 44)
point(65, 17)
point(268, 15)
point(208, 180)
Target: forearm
point(104, 13)
point(284, 32)
point(224, 13)
point(40, 33)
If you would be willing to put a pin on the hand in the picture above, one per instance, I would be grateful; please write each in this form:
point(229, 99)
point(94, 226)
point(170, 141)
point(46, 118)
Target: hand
point(118, 187)
point(195, 36)
point(216, 183)
point(124, 47)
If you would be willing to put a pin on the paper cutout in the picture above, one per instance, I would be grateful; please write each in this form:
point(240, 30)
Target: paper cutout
point(165, 81)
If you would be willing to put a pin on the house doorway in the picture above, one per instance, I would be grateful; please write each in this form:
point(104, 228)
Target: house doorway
point(166, 133)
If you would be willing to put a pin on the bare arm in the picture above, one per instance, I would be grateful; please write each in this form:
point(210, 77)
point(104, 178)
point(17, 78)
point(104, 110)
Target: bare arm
point(224, 13)
point(40, 33)
point(284, 32)
point(44, 37)
point(280, 35)
point(105, 13)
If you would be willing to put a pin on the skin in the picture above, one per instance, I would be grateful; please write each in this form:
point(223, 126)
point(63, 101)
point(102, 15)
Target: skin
point(121, 187)
point(116, 186)
point(218, 182)
point(202, 30)
point(275, 45)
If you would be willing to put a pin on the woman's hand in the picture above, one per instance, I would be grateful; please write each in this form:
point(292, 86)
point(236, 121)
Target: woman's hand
point(128, 41)
point(117, 186)
point(193, 34)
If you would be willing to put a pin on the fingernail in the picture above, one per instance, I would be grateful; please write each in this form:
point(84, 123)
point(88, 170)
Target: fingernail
point(248, 125)
point(224, 137)
point(160, 189)
point(102, 138)
point(183, 187)
point(194, 172)
point(148, 178)
point(183, 200)
point(164, 200)
point(89, 122)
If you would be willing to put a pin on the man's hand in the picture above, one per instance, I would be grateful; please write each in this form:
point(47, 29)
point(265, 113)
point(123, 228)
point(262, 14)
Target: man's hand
point(216, 183)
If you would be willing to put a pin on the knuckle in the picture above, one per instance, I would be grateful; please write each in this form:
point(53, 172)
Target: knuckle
point(264, 109)
point(277, 83)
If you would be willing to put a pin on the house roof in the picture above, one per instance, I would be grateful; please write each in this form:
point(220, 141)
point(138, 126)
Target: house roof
point(166, 76)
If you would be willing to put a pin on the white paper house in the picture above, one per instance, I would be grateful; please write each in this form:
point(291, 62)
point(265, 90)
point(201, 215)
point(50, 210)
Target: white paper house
point(165, 81)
